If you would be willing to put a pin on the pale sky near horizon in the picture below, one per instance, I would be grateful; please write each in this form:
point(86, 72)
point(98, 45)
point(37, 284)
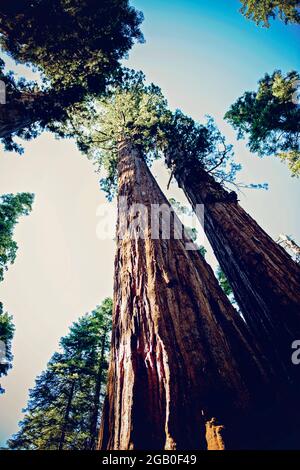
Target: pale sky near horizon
point(203, 55)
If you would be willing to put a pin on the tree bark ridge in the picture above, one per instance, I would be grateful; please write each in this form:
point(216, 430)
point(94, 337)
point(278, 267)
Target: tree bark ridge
point(181, 355)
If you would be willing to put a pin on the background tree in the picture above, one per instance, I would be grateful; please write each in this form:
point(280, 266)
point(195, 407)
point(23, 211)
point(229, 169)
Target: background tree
point(11, 208)
point(6, 336)
point(77, 51)
point(224, 283)
point(270, 117)
point(262, 11)
point(63, 410)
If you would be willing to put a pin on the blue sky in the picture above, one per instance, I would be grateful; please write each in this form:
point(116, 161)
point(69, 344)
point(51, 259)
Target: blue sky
point(203, 54)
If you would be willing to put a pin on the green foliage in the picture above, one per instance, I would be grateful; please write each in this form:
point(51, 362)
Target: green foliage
point(190, 143)
point(262, 11)
point(271, 118)
point(202, 250)
point(69, 384)
point(11, 208)
point(133, 112)
point(224, 282)
point(6, 336)
point(75, 46)
point(71, 42)
point(137, 113)
point(292, 158)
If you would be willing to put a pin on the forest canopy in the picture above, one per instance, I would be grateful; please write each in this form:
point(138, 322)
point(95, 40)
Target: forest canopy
point(270, 117)
point(263, 11)
point(64, 407)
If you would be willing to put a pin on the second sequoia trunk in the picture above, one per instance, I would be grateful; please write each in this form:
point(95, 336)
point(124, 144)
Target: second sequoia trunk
point(182, 372)
point(264, 278)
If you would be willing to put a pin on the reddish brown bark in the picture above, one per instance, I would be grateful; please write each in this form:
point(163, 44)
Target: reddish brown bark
point(182, 373)
point(264, 278)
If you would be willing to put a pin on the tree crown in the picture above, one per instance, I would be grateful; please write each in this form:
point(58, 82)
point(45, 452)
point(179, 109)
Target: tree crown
point(262, 12)
point(270, 117)
point(189, 143)
point(11, 208)
point(132, 112)
point(71, 42)
point(71, 375)
point(6, 335)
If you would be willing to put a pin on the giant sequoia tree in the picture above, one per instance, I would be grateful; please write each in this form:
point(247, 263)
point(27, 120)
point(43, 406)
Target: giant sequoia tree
point(64, 407)
point(264, 278)
point(270, 117)
point(183, 365)
point(75, 45)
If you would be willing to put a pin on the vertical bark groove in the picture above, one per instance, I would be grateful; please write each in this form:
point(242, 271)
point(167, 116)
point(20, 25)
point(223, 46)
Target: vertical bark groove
point(181, 355)
point(264, 278)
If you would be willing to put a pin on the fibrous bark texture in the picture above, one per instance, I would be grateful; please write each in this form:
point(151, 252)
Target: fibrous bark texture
point(264, 278)
point(181, 358)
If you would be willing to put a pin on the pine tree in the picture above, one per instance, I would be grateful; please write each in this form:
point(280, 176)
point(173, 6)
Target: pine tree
point(64, 407)
point(77, 51)
point(6, 336)
point(11, 208)
point(270, 117)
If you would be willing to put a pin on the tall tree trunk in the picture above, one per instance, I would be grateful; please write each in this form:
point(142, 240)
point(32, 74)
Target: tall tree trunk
point(34, 108)
point(96, 405)
point(15, 117)
point(66, 416)
point(179, 348)
point(264, 278)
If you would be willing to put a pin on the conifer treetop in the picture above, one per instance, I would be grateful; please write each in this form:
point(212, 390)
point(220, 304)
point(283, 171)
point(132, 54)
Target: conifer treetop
point(270, 117)
point(71, 42)
point(262, 11)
